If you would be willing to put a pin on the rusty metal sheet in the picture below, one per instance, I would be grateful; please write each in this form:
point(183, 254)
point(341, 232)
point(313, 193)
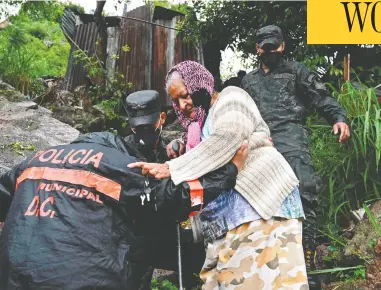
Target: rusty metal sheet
point(160, 66)
point(135, 64)
point(85, 38)
point(153, 51)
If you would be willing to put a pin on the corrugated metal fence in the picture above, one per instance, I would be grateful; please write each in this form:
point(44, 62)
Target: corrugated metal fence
point(85, 37)
point(136, 64)
point(154, 50)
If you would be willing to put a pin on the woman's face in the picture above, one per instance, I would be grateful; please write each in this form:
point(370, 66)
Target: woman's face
point(179, 94)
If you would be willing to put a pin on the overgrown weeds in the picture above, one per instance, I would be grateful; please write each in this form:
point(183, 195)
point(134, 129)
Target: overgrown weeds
point(33, 46)
point(350, 170)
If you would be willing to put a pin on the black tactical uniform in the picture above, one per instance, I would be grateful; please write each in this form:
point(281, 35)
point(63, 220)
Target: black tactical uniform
point(69, 213)
point(159, 232)
point(284, 96)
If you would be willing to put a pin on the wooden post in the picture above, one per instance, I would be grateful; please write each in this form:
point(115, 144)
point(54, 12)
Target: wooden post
point(347, 70)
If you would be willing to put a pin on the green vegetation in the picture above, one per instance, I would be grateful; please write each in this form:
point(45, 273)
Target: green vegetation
point(182, 8)
point(19, 148)
point(350, 171)
point(33, 46)
point(163, 285)
point(351, 180)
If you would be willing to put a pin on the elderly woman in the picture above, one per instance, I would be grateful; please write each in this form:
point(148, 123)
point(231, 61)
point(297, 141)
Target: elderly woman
point(253, 233)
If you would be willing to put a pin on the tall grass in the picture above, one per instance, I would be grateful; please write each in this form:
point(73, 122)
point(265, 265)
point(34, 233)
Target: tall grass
point(350, 171)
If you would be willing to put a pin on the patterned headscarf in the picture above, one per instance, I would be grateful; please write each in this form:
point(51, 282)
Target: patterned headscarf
point(196, 78)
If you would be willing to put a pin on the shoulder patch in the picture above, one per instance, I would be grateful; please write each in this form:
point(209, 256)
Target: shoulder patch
point(319, 86)
point(311, 77)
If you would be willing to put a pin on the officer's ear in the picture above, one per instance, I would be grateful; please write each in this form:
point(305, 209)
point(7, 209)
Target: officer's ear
point(282, 46)
point(163, 117)
point(257, 47)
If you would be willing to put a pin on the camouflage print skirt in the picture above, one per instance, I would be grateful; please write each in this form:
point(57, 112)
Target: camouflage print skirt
point(259, 255)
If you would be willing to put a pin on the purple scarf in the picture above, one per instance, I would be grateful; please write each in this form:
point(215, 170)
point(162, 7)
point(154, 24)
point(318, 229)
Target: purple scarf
point(195, 77)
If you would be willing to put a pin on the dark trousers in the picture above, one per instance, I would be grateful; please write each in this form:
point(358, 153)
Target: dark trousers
point(157, 248)
point(302, 165)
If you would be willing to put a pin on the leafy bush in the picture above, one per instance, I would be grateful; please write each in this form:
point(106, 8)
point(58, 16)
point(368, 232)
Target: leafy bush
point(33, 46)
point(350, 171)
point(163, 285)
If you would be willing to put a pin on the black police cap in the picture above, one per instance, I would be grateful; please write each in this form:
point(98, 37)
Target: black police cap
point(269, 37)
point(143, 108)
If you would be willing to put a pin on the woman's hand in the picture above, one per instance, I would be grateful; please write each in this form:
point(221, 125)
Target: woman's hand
point(157, 170)
point(240, 156)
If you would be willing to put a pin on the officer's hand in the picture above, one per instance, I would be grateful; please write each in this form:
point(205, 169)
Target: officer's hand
point(172, 154)
point(240, 156)
point(157, 170)
point(343, 129)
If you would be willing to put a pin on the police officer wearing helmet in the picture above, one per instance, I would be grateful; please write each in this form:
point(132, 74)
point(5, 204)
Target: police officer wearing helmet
point(158, 233)
point(284, 92)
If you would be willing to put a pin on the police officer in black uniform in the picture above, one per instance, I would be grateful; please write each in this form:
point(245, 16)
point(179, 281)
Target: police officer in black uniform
point(284, 92)
point(146, 121)
point(158, 233)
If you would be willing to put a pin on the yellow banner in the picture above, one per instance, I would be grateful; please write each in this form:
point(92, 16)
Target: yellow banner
point(343, 22)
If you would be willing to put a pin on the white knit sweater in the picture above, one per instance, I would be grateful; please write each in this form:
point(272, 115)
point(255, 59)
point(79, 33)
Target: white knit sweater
point(266, 180)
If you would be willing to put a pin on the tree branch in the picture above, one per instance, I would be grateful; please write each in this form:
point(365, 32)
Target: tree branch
point(98, 11)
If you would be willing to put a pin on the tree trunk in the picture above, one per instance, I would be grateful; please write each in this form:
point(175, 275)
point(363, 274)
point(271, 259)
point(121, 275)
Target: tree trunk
point(212, 58)
point(101, 49)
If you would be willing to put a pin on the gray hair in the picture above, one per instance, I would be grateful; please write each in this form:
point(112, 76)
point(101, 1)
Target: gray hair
point(173, 76)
